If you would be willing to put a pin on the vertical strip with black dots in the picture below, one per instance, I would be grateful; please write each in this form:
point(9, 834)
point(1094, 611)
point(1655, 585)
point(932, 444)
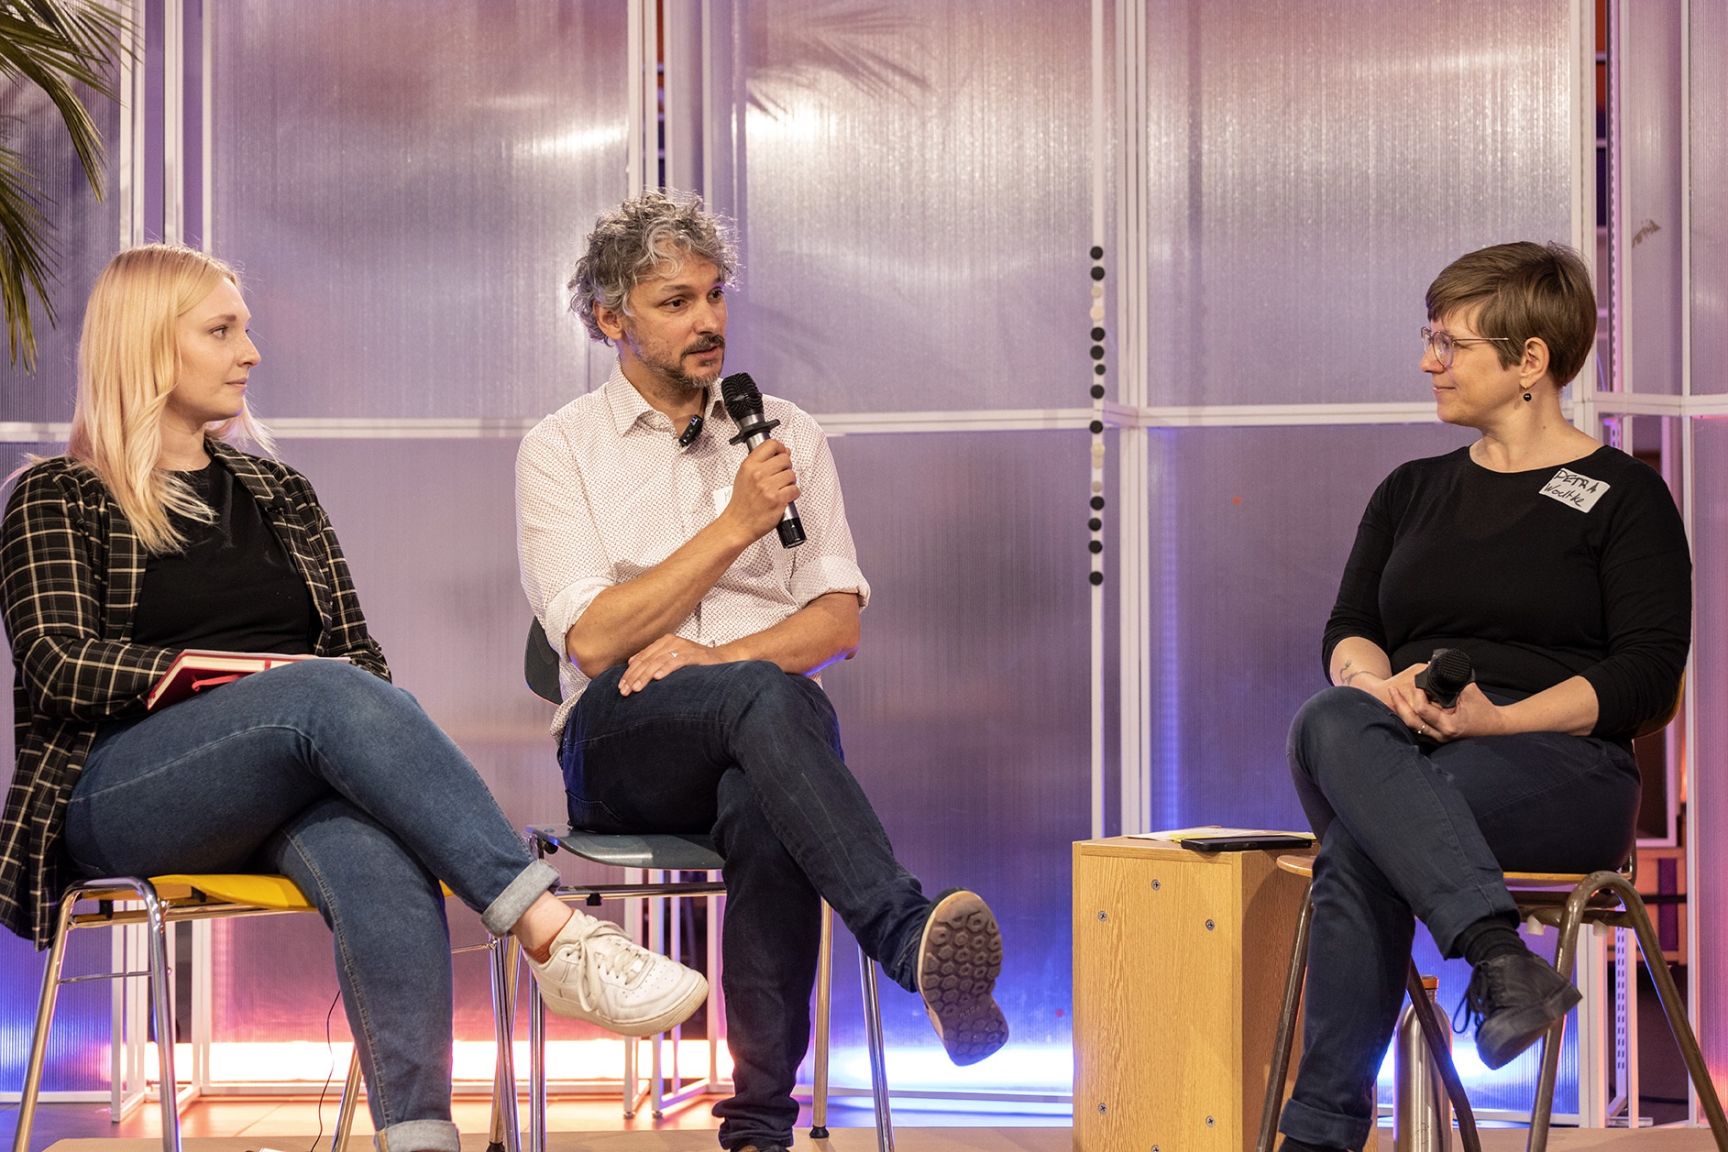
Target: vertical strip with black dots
point(1095, 523)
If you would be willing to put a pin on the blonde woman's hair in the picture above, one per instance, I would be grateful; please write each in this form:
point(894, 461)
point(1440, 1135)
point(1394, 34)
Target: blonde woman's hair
point(128, 363)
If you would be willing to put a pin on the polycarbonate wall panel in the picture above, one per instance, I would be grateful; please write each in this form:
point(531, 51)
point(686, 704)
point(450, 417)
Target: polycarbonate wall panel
point(428, 527)
point(1250, 528)
point(1709, 192)
point(964, 714)
point(1651, 144)
point(914, 185)
point(85, 232)
point(1709, 760)
point(1709, 766)
point(406, 191)
point(1311, 168)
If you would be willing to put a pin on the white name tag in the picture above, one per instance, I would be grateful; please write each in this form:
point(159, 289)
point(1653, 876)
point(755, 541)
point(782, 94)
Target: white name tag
point(1575, 490)
point(722, 497)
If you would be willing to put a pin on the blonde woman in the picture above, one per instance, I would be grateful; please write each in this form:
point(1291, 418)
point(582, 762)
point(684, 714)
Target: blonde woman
point(150, 535)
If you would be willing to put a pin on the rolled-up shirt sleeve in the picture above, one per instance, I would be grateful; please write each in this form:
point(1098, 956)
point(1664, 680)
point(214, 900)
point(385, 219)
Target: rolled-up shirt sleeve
point(563, 559)
point(827, 561)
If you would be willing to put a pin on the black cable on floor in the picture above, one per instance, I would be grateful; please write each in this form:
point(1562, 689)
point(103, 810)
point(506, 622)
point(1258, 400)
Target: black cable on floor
point(330, 1050)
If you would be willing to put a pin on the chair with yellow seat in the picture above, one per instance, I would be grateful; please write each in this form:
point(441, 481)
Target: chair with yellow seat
point(1567, 901)
point(159, 901)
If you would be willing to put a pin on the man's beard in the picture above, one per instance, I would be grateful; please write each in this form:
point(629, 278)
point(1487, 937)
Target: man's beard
point(673, 373)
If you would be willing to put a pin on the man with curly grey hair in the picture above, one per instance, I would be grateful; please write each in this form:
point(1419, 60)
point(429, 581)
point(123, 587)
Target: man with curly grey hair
point(690, 641)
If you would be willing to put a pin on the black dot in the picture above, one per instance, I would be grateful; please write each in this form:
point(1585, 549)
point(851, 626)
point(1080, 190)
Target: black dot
point(1097, 503)
point(1097, 272)
point(1095, 524)
point(1097, 333)
point(1095, 427)
point(1097, 391)
point(1096, 547)
point(1097, 578)
point(1098, 369)
point(1097, 351)
point(1097, 252)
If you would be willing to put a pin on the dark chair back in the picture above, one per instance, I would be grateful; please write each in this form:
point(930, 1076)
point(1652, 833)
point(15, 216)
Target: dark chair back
point(540, 665)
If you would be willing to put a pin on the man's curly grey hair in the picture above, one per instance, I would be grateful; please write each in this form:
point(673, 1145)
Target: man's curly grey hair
point(639, 237)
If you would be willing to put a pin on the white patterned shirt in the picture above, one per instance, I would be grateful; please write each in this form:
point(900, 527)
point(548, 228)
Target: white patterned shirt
point(604, 492)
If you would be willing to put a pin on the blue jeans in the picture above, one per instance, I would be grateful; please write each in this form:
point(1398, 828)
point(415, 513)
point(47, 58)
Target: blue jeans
point(752, 755)
point(1409, 826)
point(325, 773)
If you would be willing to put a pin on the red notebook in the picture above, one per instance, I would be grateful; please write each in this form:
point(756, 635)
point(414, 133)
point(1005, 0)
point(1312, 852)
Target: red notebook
point(198, 670)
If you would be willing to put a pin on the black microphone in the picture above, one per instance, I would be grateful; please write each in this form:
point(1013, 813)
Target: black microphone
point(1448, 671)
point(743, 402)
point(691, 431)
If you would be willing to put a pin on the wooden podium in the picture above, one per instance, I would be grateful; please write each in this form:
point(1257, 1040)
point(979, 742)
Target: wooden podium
point(1180, 959)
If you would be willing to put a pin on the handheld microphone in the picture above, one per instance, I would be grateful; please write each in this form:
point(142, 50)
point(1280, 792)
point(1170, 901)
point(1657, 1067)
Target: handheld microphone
point(1448, 671)
point(743, 402)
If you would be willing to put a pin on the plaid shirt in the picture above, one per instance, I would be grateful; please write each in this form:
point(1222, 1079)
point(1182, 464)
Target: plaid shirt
point(70, 571)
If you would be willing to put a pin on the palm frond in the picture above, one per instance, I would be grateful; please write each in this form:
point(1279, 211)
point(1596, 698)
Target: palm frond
point(860, 44)
point(58, 46)
point(26, 253)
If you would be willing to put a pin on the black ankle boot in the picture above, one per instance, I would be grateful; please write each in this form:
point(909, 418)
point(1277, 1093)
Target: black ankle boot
point(1514, 999)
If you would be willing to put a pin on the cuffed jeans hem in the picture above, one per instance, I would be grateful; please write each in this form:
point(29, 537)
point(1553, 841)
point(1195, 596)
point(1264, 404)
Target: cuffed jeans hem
point(1311, 1126)
point(1458, 911)
point(419, 1136)
point(501, 915)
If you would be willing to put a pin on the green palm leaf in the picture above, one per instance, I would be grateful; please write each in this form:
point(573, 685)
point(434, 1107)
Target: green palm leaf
point(57, 46)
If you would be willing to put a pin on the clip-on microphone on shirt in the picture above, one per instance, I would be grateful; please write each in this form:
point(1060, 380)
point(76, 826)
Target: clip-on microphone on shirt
point(691, 431)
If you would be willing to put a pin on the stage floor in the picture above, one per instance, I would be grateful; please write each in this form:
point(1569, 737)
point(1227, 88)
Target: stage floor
point(907, 1139)
point(590, 1124)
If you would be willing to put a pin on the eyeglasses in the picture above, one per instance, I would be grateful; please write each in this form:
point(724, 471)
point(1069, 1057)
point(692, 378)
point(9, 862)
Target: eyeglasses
point(1444, 344)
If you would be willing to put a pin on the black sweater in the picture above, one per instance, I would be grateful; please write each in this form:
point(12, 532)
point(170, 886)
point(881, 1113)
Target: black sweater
point(1536, 589)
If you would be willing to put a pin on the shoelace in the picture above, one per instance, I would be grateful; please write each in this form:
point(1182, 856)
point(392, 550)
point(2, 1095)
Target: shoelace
point(1474, 1005)
point(618, 954)
point(609, 952)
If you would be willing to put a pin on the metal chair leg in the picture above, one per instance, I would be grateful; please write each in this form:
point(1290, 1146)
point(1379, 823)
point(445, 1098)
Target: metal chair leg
point(824, 1004)
point(878, 1060)
point(1434, 1036)
point(44, 1018)
point(349, 1104)
point(162, 997)
point(1280, 1069)
point(1565, 957)
point(500, 962)
point(1669, 997)
point(537, 1069)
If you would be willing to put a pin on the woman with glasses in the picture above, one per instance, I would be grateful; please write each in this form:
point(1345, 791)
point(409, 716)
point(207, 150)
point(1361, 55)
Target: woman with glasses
point(151, 535)
point(1559, 567)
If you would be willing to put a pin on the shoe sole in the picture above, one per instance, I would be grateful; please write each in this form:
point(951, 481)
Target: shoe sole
point(674, 1015)
point(1500, 1039)
point(959, 958)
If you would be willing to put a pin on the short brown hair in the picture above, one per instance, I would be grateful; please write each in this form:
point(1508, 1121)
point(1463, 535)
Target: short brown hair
point(1526, 290)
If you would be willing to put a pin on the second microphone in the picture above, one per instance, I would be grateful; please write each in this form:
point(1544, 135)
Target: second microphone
point(743, 402)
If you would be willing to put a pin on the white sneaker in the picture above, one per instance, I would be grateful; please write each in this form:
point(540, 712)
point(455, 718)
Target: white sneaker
point(597, 973)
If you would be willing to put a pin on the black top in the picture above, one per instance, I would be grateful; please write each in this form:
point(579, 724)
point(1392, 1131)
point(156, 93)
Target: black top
point(1591, 579)
point(233, 588)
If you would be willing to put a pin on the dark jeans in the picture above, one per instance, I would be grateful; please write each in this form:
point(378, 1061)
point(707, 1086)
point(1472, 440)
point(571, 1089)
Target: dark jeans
point(1409, 826)
point(327, 774)
point(752, 755)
